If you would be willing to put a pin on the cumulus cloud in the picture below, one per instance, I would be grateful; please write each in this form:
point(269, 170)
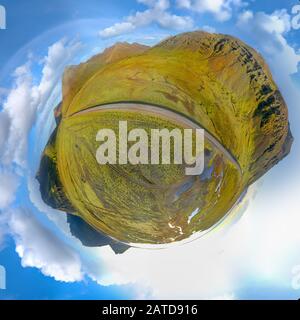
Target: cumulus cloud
point(221, 9)
point(38, 247)
point(59, 55)
point(58, 217)
point(35, 244)
point(4, 128)
point(268, 31)
point(209, 29)
point(117, 29)
point(157, 12)
point(20, 108)
point(26, 98)
point(3, 227)
point(276, 24)
point(8, 187)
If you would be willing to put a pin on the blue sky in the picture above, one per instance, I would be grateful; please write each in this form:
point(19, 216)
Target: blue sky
point(27, 20)
point(41, 38)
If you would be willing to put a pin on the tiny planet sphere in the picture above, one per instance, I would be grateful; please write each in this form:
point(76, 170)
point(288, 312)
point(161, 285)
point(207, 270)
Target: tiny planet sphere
point(193, 80)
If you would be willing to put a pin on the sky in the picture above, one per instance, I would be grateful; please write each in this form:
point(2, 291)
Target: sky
point(257, 256)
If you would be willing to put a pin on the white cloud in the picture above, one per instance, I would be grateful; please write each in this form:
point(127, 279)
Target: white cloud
point(20, 108)
point(157, 13)
point(4, 129)
point(221, 9)
point(186, 4)
point(58, 217)
point(209, 29)
point(25, 98)
point(225, 296)
point(59, 55)
point(172, 21)
point(35, 244)
point(3, 227)
point(116, 29)
point(38, 247)
point(279, 22)
point(268, 31)
point(8, 187)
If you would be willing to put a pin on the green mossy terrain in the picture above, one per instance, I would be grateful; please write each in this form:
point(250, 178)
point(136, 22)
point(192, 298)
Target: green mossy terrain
point(216, 81)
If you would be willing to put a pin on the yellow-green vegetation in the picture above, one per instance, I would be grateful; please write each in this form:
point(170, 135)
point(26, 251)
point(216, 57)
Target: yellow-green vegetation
point(216, 81)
